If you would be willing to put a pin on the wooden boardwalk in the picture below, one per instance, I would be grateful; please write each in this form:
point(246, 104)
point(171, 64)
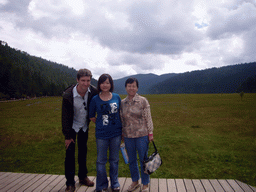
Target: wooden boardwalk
point(46, 182)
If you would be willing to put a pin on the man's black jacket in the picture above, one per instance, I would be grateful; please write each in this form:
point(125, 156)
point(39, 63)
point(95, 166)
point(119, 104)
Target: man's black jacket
point(68, 110)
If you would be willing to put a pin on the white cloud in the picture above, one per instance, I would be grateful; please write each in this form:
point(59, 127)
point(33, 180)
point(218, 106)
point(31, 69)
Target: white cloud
point(128, 37)
point(3, 2)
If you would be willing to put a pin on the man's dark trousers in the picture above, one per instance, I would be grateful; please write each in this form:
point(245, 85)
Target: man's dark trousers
point(82, 138)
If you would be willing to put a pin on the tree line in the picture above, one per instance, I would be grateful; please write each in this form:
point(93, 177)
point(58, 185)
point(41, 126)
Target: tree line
point(228, 79)
point(23, 75)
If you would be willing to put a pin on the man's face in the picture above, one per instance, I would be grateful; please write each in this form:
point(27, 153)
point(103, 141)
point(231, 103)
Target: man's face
point(84, 82)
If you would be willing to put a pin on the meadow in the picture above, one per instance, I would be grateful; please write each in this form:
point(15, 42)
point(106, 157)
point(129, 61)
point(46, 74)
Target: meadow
point(198, 136)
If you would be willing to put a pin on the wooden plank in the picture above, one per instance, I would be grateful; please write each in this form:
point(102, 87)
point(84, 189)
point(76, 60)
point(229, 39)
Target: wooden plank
point(127, 183)
point(180, 185)
point(23, 182)
point(7, 180)
point(53, 183)
point(46, 182)
point(245, 187)
point(10, 182)
point(225, 185)
point(189, 185)
point(6, 174)
point(91, 189)
point(29, 183)
point(234, 185)
point(207, 185)
point(121, 182)
point(18, 180)
point(171, 185)
point(198, 185)
point(61, 184)
point(2, 173)
point(153, 186)
point(38, 183)
point(216, 185)
point(163, 185)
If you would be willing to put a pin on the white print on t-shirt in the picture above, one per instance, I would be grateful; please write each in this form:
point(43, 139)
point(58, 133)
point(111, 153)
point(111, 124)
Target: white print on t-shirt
point(105, 119)
point(113, 107)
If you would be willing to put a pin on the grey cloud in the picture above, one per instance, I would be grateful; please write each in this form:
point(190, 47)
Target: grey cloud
point(192, 62)
point(140, 62)
point(147, 34)
point(151, 28)
point(18, 7)
point(240, 22)
point(250, 46)
point(56, 23)
point(225, 23)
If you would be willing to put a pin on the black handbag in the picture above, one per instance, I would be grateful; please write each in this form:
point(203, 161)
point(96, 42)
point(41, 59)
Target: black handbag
point(153, 162)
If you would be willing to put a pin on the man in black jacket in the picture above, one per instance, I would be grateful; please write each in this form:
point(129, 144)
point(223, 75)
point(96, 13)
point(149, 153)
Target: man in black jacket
point(75, 125)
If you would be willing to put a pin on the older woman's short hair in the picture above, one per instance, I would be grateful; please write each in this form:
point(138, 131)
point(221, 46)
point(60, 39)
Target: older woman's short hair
point(131, 80)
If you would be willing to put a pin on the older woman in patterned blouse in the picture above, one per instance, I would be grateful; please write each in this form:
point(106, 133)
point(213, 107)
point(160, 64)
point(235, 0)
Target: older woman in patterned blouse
point(137, 131)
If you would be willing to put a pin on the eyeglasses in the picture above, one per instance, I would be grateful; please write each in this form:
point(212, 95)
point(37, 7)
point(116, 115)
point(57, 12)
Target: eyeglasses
point(85, 108)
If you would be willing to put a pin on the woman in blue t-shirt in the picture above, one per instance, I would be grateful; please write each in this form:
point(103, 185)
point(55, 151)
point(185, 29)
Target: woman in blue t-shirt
point(104, 111)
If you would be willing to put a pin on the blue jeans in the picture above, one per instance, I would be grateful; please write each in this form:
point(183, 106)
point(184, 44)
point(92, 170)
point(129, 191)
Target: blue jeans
point(113, 144)
point(133, 145)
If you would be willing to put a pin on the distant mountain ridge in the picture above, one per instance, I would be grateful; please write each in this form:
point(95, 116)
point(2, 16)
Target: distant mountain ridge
point(23, 75)
point(145, 82)
point(228, 79)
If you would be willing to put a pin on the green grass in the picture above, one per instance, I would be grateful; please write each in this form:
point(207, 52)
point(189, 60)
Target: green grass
point(199, 136)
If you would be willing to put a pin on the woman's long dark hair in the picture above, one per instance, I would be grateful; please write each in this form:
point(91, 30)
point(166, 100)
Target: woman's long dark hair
point(103, 78)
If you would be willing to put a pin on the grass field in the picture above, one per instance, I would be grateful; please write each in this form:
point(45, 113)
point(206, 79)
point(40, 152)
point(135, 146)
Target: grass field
point(198, 136)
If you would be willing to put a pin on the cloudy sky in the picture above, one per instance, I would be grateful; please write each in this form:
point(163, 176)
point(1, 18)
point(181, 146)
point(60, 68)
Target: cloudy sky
point(125, 37)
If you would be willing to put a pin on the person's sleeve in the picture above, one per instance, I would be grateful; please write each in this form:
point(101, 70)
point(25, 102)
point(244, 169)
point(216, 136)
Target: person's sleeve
point(66, 118)
point(120, 112)
point(148, 117)
point(92, 108)
point(119, 103)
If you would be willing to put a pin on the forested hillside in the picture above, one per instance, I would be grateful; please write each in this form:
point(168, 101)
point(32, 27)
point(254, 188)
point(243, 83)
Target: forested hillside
point(23, 75)
point(145, 81)
point(228, 79)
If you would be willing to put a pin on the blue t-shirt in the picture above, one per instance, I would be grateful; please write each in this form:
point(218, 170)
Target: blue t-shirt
point(108, 122)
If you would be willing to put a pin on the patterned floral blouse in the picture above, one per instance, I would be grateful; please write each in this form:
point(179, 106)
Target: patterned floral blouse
point(136, 117)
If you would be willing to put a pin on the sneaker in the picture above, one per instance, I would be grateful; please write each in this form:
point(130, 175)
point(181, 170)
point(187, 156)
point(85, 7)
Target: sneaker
point(117, 189)
point(145, 190)
point(132, 188)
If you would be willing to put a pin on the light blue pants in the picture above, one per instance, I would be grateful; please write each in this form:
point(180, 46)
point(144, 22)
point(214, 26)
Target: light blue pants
point(113, 144)
point(133, 145)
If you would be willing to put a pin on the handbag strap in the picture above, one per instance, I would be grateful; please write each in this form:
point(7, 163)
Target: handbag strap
point(145, 156)
point(154, 146)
